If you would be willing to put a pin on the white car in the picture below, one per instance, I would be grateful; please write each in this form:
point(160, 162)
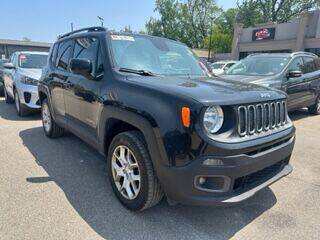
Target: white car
point(219, 68)
point(21, 80)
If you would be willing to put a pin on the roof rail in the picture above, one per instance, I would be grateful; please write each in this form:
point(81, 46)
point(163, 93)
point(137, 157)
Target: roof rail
point(88, 29)
point(301, 52)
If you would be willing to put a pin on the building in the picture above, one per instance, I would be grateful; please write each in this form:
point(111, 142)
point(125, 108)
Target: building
point(300, 34)
point(7, 47)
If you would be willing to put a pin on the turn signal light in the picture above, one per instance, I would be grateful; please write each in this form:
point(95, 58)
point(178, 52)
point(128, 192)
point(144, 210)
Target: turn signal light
point(185, 116)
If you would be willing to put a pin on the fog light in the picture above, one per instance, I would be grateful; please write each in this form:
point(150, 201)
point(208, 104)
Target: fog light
point(213, 162)
point(202, 180)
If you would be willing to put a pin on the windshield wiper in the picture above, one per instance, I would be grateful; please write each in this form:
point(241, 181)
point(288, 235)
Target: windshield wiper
point(140, 72)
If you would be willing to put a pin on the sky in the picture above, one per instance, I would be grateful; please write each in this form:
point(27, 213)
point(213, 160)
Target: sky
point(44, 20)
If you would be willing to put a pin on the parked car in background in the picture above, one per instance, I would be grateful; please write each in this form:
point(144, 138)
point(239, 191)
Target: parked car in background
point(297, 74)
point(164, 125)
point(21, 80)
point(219, 68)
point(2, 61)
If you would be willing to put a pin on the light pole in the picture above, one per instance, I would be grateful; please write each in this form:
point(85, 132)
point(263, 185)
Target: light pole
point(101, 20)
point(209, 52)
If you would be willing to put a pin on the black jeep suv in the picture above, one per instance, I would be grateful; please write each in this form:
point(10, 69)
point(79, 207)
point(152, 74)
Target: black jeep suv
point(165, 126)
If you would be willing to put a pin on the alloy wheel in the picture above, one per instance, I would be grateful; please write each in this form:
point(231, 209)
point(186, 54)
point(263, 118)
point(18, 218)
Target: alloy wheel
point(126, 172)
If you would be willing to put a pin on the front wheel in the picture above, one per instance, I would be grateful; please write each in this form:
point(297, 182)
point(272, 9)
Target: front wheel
point(50, 127)
point(315, 109)
point(21, 109)
point(131, 172)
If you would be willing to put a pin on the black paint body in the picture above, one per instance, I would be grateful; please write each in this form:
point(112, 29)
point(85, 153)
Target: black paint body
point(92, 109)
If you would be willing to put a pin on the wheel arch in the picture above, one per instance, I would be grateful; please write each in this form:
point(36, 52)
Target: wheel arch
point(115, 120)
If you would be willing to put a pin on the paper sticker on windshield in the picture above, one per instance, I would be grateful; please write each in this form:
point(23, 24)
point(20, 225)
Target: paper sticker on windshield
point(122, 38)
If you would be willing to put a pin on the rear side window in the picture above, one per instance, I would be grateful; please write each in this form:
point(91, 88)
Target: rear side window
point(309, 65)
point(64, 54)
point(87, 48)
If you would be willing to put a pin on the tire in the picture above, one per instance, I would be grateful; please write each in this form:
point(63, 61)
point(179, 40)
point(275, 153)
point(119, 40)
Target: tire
point(315, 109)
point(150, 192)
point(50, 127)
point(22, 110)
point(8, 99)
point(2, 91)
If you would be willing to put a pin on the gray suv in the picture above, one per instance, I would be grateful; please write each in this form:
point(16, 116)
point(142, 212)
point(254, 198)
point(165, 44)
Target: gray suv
point(297, 74)
point(21, 80)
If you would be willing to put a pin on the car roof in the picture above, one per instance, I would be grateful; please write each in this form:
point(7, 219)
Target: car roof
point(32, 52)
point(282, 54)
point(101, 30)
point(224, 62)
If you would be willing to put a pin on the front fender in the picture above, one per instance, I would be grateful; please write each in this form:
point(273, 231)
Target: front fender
point(147, 127)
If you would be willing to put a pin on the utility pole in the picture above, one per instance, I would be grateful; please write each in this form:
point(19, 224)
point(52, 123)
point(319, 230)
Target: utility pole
point(71, 24)
point(209, 52)
point(101, 20)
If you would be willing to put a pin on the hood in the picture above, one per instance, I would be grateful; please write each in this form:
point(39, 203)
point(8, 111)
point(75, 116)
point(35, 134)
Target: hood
point(209, 90)
point(34, 73)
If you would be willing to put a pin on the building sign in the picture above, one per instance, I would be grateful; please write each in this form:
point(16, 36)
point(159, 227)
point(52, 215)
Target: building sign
point(263, 34)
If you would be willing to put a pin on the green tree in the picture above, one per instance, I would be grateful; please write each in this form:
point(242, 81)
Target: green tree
point(187, 21)
point(226, 20)
point(221, 42)
point(260, 11)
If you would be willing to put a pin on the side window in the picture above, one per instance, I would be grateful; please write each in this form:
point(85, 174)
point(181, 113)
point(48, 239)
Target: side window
point(87, 48)
point(296, 64)
point(63, 56)
point(54, 52)
point(229, 65)
point(309, 64)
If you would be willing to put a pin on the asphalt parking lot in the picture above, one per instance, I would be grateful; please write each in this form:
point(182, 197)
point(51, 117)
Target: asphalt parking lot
point(58, 189)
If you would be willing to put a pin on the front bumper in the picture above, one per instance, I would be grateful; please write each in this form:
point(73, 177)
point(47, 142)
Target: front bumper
point(28, 95)
point(240, 176)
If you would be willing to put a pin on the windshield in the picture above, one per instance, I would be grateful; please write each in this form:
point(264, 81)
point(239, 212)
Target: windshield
point(264, 66)
point(217, 65)
point(156, 55)
point(32, 60)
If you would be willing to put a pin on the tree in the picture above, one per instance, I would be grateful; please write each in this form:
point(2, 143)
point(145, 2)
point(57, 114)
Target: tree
point(260, 11)
point(187, 21)
point(221, 42)
point(226, 20)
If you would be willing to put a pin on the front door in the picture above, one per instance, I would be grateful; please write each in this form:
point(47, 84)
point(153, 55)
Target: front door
point(296, 87)
point(82, 96)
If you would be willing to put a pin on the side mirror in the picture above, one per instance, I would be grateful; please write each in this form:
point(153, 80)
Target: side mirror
point(9, 65)
point(81, 66)
point(294, 74)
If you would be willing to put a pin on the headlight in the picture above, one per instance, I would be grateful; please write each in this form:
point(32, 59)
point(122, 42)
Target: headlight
point(213, 119)
point(29, 81)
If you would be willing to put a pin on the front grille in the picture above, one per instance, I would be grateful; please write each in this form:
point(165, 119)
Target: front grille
point(262, 117)
point(256, 178)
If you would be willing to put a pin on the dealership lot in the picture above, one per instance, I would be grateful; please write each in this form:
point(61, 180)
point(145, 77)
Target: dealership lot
point(58, 189)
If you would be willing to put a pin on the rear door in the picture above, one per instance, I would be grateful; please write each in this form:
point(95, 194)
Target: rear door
point(60, 76)
point(311, 69)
